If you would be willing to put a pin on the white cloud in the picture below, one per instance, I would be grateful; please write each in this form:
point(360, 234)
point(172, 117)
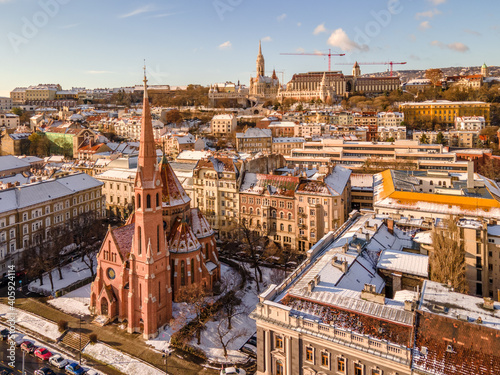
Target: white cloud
point(267, 39)
point(135, 12)
point(437, 2)
point(300, 50)
point(319, 29)
point(161, 15)
point(340, 39)
point(281, 17)
point(225, 45)
point(424, 25)
point(472, 32)
point(427, 14)
point(456, 46)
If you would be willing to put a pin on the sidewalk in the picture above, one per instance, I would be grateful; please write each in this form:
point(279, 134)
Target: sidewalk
point(120, 341)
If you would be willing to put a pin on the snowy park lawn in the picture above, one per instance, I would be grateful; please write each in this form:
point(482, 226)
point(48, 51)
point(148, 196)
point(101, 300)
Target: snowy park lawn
point(32, 322)
point(72, 273)
point(75, 302)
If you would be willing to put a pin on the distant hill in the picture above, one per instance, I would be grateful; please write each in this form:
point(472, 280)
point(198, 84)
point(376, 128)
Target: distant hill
point(406, 75)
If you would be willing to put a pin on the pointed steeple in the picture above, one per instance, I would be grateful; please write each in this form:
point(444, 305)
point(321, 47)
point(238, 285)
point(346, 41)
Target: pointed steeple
point(147, 152)
point(260, 48)
point(260, 62)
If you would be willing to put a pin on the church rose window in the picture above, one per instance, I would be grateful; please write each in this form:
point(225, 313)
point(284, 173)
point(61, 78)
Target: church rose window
point(111, 273)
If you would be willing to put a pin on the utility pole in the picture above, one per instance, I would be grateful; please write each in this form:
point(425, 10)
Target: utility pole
point(22, 371)
point(80, 351)
point(165, 355)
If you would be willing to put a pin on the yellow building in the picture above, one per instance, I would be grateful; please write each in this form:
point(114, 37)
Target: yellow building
point(444, 111)
point(42, 92)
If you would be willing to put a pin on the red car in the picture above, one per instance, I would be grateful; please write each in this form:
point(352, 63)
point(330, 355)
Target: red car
point(28, 347)
point(43, 354)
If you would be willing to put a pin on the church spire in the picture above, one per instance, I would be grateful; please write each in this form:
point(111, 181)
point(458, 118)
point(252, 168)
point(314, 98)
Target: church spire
point(147, 153)
point(260, 62)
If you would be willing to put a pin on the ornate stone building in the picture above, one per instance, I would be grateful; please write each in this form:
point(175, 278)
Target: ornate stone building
point(262, 86)
point(165, 246)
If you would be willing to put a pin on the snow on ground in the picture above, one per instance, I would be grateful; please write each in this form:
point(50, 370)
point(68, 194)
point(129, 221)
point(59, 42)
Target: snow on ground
point(75, 302)
point(210, 342)
point(122, 362)
point(182, 315)
point(72, 273)
point(32, 322)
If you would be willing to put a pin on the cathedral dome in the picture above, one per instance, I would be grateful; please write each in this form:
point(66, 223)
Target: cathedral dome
point(201, 227)
point(182, 238)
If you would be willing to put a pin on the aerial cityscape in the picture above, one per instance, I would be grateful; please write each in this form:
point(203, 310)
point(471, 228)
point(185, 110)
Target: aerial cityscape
point(228, 187)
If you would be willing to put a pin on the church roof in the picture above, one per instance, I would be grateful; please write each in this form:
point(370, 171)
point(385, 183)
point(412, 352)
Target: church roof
point(200, 225)
point(182, 238)
point(173, 192)
point(123, 237)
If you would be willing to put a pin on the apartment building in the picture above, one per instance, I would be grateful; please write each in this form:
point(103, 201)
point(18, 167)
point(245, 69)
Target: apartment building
point(444, 111)
point(18, 95)
point(390, 118)
point(9, 120)
point(361, 191)
point(470, 123)
point(222, 125)
point(118, 187)
point(28, 209)
point(384, 133)
point(254, 140)
point(285, 145)
point(216, 184)
point(452, 138)
point(5, 103)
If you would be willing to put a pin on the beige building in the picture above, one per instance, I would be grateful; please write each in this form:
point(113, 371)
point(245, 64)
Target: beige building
point(118, 187)
point(470, 123)
point(254, 140)
point(215, 192)
point(390, 118)
point(263, 87)
point(392, 132)
point(42, 92)
point(5, 103)
point(223, 125)
point(28, 209)
point(9, 120)
point(18, 96)
point(285, 145)
point(453, 138)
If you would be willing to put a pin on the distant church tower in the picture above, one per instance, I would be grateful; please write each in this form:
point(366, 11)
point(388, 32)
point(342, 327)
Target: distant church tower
point(260, 63)
point(356, 70)
point(485, 71)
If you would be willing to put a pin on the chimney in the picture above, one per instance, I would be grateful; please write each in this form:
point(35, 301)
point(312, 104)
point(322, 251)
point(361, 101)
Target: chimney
point(470, 174)
point(488, 303)
point(390, 225)
point(367, 237)
point(310, 286)
point(358, 248)
point(345, 248)
point(409, 306)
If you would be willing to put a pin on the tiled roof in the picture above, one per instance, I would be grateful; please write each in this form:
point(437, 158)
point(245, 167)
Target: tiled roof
point(124, 236)
point(173, 194)
point(182, 238)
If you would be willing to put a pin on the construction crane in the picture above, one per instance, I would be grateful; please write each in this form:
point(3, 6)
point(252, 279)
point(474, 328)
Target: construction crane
point(391, 63)
point(329, 54)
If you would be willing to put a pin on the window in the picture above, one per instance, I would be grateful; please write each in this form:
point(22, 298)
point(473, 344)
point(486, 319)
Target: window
point(138, 200)
point(183, 273)
point(279, 368)
point(157, 200)
point(192, 271)
point(309, 354)
point(148, 201)
point(358, 369)
point(139, 230)
point(279, 342)
point(325, 359)
point(341, 365)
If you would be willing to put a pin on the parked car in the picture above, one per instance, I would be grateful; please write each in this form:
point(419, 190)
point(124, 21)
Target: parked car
point(28, 347)
point(232, 371)
point(4, 333)
point(44, 371)
point(252, 340)
point(43, 354)
point(17, 338)
point(74, 369)
point(58, 361)
point(6, 372)
point(92, 372)
point(249, 349)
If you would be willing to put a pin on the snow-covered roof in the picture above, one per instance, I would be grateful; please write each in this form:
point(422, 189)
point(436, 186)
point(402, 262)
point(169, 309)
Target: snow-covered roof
point(43, 191)
point(494, 230)
point(255, 133)
point(288, 140)
point(400, 261)
point(193, 155)
point(338, 179)
point(457, 304)
point(9, 162)
point(424, 238)
point(223, 117)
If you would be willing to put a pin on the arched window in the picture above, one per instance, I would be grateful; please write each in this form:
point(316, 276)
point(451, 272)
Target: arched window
point(290, 228)
point(274, 226)
point(158, 238)
point(139, 236)
point(289, 216)
point(282, 215)
point(157, 200)
point(192, 271)
point(138, 201)
point(258, 211)
point(282, 227)
point(183, 273)
point(432, 183)
point(148, 201)
point(243, 209)
point(251, 211)
point(206, 251)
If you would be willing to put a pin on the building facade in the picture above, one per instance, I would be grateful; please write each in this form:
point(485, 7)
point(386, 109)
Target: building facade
point(222, 125)
point(254, 140)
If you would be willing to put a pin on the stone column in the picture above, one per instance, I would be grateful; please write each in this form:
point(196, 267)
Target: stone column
point(288, 354)
point(267, 350)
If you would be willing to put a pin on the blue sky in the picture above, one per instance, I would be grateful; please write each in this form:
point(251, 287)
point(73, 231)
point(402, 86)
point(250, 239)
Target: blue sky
point(103, 43)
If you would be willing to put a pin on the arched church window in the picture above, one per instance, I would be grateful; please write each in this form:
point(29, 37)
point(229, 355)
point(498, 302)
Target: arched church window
point(192, 271)
point(157, 200)
point(139, 234)
point(148, 201)
point(183, 273)
point(138, 201)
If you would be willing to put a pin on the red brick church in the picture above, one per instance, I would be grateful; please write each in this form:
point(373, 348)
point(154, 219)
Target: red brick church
point(164, 246)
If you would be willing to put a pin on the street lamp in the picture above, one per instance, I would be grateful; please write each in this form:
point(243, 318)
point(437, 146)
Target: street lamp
point(80, 351)
point(166, 354)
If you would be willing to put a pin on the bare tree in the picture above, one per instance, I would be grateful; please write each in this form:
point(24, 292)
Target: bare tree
point(89, 231)
point(225, 333)
point(194, 295)
point(447, 261)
